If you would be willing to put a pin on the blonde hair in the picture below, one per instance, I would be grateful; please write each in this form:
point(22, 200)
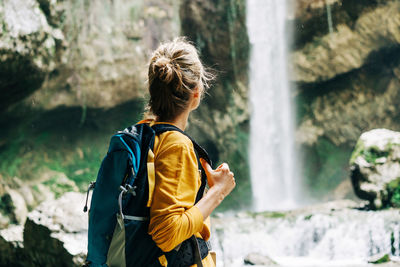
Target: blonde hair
point(175, 70)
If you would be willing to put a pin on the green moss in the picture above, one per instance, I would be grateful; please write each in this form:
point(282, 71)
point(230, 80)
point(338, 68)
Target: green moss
point(273, 214)
point(241, 196)
point(59, 187)
point(35, 188)
point(308, 217)
point(357, 151)
point(370, 154)
point(395, 197)
point(58, 143)
point(373, 153)
point(383, 259)
point(325, 167)
point(394, 184)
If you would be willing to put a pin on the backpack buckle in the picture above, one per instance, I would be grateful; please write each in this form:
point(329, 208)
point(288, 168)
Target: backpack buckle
point(127, 189)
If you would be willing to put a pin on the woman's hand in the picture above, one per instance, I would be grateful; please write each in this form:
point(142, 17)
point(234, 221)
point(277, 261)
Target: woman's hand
point(221, 183)
point(221, 178)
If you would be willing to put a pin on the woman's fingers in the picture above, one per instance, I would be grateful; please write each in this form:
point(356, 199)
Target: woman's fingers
point(207, 168)
point(221, 176)
point(224, 166)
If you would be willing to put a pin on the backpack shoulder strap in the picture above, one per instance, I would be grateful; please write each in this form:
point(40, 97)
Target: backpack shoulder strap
point(201, 153)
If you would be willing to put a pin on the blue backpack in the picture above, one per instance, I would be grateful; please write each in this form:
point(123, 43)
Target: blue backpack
point(119, 216)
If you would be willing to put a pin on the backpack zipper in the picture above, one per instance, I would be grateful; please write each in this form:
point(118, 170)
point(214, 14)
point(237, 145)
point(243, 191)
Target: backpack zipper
point(91, 186)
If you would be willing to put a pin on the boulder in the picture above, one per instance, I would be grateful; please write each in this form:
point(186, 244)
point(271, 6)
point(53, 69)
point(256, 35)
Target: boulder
point(11, 248)
point(375, 168)
point(258, 259)
point(60, 225)
point(13, 206)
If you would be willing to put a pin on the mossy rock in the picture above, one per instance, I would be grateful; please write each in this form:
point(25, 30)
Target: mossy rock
point(375, 168)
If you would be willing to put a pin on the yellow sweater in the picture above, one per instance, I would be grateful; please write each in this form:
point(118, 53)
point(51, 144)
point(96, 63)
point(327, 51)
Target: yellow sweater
point(173, 185)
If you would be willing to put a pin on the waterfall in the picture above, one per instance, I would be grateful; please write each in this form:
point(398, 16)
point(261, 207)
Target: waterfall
point(272, 154)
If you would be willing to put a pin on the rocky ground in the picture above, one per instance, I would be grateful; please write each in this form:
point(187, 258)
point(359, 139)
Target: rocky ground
point(331, 234)
point(328, 234)
point(54, 234)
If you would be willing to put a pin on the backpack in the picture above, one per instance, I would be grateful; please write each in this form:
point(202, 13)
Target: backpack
point(119, 216)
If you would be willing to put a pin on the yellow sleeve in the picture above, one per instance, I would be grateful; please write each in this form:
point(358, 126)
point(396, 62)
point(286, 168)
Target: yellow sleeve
point(173, 218)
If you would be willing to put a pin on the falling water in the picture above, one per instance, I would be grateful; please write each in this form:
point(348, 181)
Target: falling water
point(272, 156)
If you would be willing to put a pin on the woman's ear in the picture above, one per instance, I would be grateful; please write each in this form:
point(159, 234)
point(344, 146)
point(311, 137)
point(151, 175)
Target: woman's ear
point(196, 92)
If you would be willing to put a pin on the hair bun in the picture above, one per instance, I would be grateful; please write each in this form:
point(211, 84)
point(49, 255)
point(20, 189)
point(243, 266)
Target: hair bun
point(165, 69)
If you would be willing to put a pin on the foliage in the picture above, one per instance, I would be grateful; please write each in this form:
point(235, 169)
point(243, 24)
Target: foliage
point(59, 143)
point(395, 198)
point(357, 151)
point(324, 167)
point(373, 153)
point(25, 158)
point(273, 214)
point(308, 217)
point(383, 259)
point(370, 154)
point(241, 196)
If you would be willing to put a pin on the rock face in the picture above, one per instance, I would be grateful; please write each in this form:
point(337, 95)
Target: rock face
point(349, 46)
point(347, 80)
point(72, 73)
point(13, 203)
point(221, 123)
point(20, 196)
point(60, 225)
point(55, 234)
point(72, 53)
point(375, 168)
point(11, 247)
point(27, 49)
point(107, 48)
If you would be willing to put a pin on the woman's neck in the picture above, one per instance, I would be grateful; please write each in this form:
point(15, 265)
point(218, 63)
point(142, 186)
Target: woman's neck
point(181, 120)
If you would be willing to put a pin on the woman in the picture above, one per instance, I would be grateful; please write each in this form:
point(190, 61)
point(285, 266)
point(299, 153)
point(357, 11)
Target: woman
point(177, 80)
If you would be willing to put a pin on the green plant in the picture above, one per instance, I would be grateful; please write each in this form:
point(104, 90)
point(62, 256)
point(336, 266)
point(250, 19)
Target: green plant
point(395, 199)
point(373, 153)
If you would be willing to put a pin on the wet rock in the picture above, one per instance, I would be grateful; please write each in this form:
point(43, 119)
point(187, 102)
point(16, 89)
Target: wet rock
point(13, 206)
point(219, 32)
point(57, 182)
point(4, 220)
point(326, 234)
point(60, 225)
point(107, 48)
point(344, 190)
point(27, 194)
point(42, 193)
point(27, 49)
point(11, 247)
point(347, 82)
point(349, 46)
point(375, 168)
point(258, 259)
